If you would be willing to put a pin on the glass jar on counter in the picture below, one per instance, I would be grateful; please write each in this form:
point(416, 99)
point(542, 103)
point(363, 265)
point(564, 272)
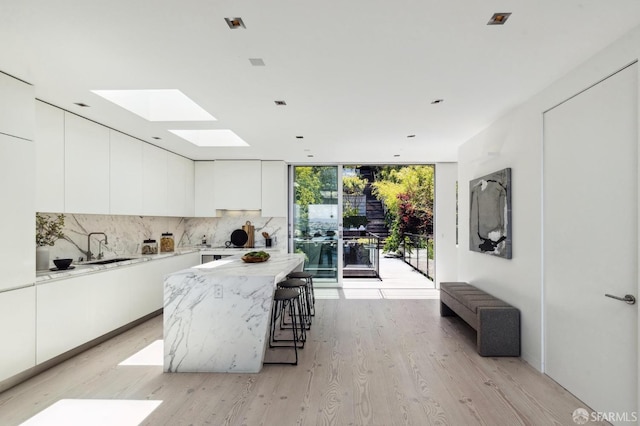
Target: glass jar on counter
point(167, 244)
point(149, 247)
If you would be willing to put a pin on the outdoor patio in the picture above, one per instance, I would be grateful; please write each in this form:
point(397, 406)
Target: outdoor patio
point(398, 281)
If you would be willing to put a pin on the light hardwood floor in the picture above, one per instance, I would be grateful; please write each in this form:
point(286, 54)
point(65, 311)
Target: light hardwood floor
point(367, 362)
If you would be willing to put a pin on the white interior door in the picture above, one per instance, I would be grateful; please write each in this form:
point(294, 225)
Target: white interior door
point(591, 243)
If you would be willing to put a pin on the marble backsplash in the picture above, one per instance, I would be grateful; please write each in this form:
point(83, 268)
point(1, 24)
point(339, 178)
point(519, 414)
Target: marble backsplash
point(126, 233)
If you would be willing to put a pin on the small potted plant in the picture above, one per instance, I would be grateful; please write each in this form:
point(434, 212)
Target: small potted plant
point(48, 230)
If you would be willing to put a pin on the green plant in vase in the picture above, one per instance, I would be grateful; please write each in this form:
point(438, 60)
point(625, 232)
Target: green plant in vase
point(48, 229)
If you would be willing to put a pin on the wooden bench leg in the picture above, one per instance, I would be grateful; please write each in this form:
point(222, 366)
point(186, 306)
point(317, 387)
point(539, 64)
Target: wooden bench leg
point(498, 331)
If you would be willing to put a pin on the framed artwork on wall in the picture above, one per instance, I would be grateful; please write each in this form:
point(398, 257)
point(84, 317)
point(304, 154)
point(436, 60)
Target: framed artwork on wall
point(490, 214)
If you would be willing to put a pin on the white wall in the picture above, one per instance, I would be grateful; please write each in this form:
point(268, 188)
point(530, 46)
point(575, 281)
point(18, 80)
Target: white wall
point(515, 140)
point(445, 223)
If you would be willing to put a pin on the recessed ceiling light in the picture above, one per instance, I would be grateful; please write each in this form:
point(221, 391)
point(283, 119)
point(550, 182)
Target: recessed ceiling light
point(310, 155)
point(83, 105)
point(396, 155)
point(280, 103)
point(156, 137)
point(411, 136)
point(157, 105)
point(211, 137)
point(257, 62)
point(235, 23)
point(437, 101)
point(299, 137)
point(499, 18)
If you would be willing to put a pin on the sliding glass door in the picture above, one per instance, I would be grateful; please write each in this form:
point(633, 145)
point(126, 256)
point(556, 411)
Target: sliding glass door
point(317, 220)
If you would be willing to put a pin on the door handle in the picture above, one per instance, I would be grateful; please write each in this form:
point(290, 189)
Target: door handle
point(627, 298)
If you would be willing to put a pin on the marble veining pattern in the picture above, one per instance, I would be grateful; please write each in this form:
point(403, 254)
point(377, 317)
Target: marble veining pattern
point(205, 333)
point(126, 233)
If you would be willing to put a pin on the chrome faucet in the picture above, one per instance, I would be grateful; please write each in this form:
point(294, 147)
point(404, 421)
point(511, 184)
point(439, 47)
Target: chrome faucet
point(89, 254)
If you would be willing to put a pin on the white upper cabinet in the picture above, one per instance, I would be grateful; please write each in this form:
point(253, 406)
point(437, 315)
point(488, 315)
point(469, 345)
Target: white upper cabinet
point(17, 109)
point(17, 227)
point(237, 184)
point(125, 174)
point(180, 185)
point(49, 157)
point(154, 181)
point(205, 205)
point(274, 189)
point(86, 154)
point(190, 188)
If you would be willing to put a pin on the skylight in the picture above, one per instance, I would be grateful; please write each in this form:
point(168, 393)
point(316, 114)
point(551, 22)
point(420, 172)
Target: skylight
point(157, 105)
point(211, 137)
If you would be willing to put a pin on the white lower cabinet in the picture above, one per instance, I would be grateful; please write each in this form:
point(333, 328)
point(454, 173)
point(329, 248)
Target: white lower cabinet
point(18, 331)
point(74, 311)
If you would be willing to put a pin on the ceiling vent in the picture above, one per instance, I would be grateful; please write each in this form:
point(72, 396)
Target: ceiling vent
point(235, 23)
point(280, 103)
point(437, 101)
point(257, 62)
point(499, 18)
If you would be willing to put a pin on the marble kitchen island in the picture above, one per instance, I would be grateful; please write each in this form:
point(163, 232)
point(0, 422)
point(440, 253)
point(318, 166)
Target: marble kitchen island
point(216, 315)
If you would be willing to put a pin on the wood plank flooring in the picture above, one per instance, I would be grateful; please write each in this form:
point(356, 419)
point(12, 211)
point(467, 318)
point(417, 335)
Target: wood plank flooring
point(366, 362)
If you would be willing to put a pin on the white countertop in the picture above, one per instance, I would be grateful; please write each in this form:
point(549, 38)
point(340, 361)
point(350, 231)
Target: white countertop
point(86, 268)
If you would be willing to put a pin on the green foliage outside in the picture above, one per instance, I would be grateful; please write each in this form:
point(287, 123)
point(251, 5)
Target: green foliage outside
point(407, 193)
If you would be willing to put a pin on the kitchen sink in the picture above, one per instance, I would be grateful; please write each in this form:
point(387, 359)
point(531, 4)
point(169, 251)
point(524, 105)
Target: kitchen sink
point(107, 261)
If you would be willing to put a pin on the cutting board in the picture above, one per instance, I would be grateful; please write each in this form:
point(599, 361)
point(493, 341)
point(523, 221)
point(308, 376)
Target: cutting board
point(251, 232)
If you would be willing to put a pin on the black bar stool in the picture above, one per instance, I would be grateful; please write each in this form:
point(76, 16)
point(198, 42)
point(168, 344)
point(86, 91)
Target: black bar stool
point(300, 285)
point(286, 299)
point(308, 277)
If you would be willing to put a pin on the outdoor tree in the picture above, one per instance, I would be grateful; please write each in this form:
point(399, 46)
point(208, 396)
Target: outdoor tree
point(307, 191)
point(407, 193)
point(353, 195)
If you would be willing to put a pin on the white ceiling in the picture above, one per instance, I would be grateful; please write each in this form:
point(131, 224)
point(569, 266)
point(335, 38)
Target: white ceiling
point(358, 76)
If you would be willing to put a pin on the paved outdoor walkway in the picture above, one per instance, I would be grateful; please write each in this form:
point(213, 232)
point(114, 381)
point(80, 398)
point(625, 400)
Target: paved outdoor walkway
point(399, 281)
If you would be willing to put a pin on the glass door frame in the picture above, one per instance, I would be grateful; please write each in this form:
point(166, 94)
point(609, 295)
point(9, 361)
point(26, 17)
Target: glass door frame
point(290, 221)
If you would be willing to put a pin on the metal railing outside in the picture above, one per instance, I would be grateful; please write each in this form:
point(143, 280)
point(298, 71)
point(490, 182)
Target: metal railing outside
point(361, 255)
point(419, 254)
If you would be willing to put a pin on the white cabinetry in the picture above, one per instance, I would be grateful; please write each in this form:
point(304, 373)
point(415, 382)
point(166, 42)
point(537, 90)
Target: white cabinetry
point(125, 174)
point(18, 331)
point(74, 311)
point(236, 184)
point(86, 156)
point(274, 189)
point(17, 109)
point(17, 227)
point(154, 175)
point(49, 155)
point(205, 205)
point(180, 185)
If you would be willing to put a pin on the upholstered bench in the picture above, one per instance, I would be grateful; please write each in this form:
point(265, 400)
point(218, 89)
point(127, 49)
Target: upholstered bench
point(497, 323)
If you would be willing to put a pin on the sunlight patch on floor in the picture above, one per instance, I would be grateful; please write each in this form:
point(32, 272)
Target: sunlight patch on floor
point(326, 293)
point(94, 412)
point(150, 355)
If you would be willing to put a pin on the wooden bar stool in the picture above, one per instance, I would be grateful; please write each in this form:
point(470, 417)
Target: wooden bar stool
point(308, 277)
point(286, 299)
